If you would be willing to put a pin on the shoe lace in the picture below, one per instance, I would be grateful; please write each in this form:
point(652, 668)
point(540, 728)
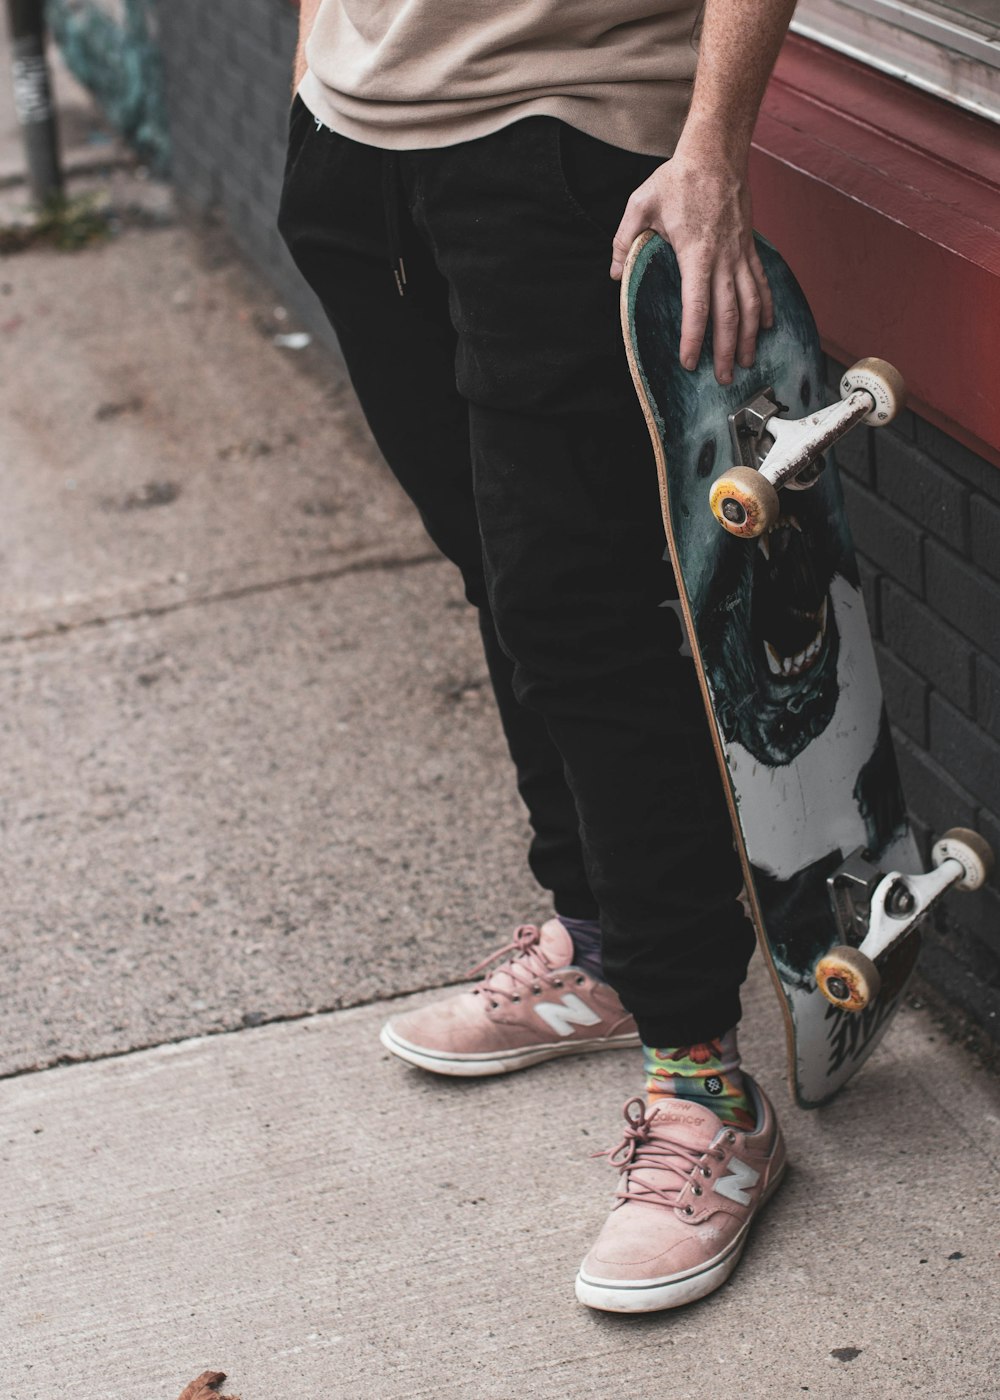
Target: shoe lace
point(639, 1148)
point(519, 966)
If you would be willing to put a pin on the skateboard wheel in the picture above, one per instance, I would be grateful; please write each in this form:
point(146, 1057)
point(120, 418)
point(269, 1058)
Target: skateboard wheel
point(973, 853)
point(883, 382)
point(848, 979)
point(744, 502)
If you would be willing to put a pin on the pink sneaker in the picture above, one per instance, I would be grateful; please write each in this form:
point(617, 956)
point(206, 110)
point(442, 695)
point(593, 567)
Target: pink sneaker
point(532, 1007)
point(691, 1187)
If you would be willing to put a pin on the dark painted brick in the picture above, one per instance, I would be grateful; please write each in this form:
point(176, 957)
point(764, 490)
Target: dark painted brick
point(967, 465)
point(885, 536)
point(921, 489)
point(927, 643)
point(965, 596)
point(854, 455)
point(931, 794)
point(985, 521)
point(972, 919)
point(279, 125)
point(870, 585)
point(833, 370)
point(256, 20)
point(904, 426)
point(988, 825)
point(988, 700)
point(200, 190)
point(905, 695)
point(284, 32)
point(198, 173)
point(922, 835)
point(215, 29)
point(233, 185)
point(272, 162)
point(942, 964)
point(230, 96)
point(969, 755)
point(211, 107)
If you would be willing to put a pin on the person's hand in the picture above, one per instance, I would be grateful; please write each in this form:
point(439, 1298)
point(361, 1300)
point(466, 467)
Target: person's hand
point(699, 202)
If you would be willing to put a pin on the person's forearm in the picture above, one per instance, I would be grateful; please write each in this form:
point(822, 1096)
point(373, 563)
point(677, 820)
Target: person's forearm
point(307, 14)
point(740, 40)
point(699, 200)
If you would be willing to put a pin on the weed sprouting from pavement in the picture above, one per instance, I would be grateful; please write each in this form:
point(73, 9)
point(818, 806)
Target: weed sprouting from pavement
point(65, 224)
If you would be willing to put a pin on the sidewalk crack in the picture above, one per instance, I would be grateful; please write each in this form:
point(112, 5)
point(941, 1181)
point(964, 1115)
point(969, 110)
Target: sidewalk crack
point(225, 595)
point(280, 1018)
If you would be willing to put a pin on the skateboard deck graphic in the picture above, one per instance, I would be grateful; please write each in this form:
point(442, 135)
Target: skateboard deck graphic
point(781, 643)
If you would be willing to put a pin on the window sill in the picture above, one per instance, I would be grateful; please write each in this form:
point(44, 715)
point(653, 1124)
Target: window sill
point(886, 203)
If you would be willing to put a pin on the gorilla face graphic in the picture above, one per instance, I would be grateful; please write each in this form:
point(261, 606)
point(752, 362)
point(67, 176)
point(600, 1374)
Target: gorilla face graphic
point(769, 638)
point(766, 626)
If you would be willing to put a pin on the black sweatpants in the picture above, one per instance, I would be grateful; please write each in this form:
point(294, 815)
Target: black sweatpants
point(498, 390)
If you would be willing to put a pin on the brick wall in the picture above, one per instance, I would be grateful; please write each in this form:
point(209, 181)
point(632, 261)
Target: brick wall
point(228, 71)
point(925, 511)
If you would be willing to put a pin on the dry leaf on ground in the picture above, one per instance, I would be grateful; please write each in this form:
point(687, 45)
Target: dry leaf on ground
point(204, 1387)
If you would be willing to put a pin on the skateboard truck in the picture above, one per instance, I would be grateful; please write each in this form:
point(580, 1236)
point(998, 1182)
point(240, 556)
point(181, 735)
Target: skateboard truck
point(772, 451)
point(880, 909)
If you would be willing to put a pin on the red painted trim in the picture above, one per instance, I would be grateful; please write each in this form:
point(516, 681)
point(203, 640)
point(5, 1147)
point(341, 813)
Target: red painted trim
point(886, 203)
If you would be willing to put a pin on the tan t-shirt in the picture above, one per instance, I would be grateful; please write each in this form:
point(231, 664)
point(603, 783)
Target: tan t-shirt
point(406, 74)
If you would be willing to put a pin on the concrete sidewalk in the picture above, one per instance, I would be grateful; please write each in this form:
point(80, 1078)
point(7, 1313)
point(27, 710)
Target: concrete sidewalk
point(291, 1206)
point(252, 776)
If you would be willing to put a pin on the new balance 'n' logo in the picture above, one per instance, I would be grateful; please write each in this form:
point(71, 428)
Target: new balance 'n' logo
point(738, 1183)
point(563, 1015)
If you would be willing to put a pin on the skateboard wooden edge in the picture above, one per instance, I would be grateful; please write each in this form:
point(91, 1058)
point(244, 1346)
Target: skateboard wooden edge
point(635, 257)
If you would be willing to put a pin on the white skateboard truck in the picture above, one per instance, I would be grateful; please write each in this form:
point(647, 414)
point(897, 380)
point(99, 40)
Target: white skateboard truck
point(875, 911)
point(772, 451)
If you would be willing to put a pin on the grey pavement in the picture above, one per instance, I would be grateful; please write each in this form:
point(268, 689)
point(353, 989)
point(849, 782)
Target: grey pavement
point(254, 794)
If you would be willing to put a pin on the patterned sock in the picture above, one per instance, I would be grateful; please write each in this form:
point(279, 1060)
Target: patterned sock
point(586, 936)
point(709, 1073)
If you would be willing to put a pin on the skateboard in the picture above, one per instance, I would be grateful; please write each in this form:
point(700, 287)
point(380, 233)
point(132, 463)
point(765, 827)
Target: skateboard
point(771, 598)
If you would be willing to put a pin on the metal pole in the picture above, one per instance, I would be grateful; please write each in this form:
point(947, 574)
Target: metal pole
point(33, 99)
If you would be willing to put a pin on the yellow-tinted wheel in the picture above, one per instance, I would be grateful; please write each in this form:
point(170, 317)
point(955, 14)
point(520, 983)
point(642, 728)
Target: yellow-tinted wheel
point(848, 979)
point(744, 502)
point(885, 384)
point(972, 852)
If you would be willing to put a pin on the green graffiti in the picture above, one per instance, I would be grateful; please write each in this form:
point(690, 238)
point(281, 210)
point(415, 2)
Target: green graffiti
point(113, 51)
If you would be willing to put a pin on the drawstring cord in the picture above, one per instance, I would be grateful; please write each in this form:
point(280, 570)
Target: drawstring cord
point(391, 191)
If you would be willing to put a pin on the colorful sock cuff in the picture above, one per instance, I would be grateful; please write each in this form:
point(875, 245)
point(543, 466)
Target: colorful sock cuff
point(708, 1073)
point(713, 1057)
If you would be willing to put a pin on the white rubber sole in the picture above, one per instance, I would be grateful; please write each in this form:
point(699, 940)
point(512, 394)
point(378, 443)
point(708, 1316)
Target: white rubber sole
point(673, 1290)
point(503, 1061)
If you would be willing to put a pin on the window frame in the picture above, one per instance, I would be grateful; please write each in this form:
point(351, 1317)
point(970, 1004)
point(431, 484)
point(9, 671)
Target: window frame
point(922, 42)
